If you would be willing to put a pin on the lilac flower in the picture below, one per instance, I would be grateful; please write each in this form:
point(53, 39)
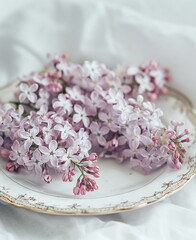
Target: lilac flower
point(64, 104)
point(43, 114)
point(75, 93)
point(48, 131)
point(43, 98)
point(148, 157)
point(31, 136)
point(137, 102)
point(52, 151)
point(82, 142)
point(133, 71)
point(93, 102)
point(69, 157)
point(123, 139)
point(66, 130)
point(36, 162)
point(5, 118)
point(123, 110)
point(159, 77)
point(144, 83)
point(92, 70)
point(28, 92)
point(11, 129)
point(130, 153)
point(62, 66)
point(114, 96)
point(40, 79)
point(109, 120)
point(80, 115)
point(19, 152)
point(136, 138)
point(17, 114)
point(98, 132)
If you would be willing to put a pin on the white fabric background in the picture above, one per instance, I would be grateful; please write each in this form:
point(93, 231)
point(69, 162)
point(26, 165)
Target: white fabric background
point(113, 32)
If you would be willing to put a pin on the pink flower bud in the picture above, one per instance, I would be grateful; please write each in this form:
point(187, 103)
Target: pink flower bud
point(186, 140)
point(10, 167)
point(57, 75)
point(55, 87)
point(171, 135)
point(178, 165)
point(164, 90)
point(92, 157)
point(96, 186)
point(73, 172)
point(96, 174)
point(65, 177)
point(4, 153)
point(70, 178)
point(50, 74)
point(172, 146)
point(153, 96)
point(76, 190)
point(83, 189)
point(176, 156)
point(155, 139)
point(187, 131)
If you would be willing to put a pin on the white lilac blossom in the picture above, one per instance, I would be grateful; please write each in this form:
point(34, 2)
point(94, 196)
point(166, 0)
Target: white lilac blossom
point(36, 162)
point(97, 133)
point(53, 152)
point(67, 115)
point(31, 136)
point(80, 115)
point(28, 92)
point(63, 103)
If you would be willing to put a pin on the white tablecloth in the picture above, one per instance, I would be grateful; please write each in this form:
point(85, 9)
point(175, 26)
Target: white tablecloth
point(113, 32)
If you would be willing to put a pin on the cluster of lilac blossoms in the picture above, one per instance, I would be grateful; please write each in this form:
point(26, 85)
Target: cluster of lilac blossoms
point(66, 115)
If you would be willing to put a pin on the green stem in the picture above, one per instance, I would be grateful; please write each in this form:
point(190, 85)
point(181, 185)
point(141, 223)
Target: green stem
point(79, 167)
point(25, 104)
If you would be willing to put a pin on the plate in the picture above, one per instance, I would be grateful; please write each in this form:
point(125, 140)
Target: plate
point(121, 189)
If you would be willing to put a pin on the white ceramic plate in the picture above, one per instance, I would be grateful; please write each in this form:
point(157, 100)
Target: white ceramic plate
point(121, 188)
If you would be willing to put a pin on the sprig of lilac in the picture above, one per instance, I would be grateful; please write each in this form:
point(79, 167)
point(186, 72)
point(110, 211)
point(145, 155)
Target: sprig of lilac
point(64, 149)
point(65, 113)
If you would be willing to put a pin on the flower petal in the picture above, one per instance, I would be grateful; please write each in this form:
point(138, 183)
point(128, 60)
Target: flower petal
point(78, 108)
point(101, 140)
point(77, 118)
point(94, 127)
point(33, 87)
point(22, 97)
point(58, 127)
point(44, 150)
point(24, 87)
point(104, 130)
point(59, 152)
point(32, 97)
point(122, 140)
point(137, 131)
point(53, 145)
point(37, 140)
point(86, 121)
point(23, 134)
point(103, 116)
point(57, 104)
